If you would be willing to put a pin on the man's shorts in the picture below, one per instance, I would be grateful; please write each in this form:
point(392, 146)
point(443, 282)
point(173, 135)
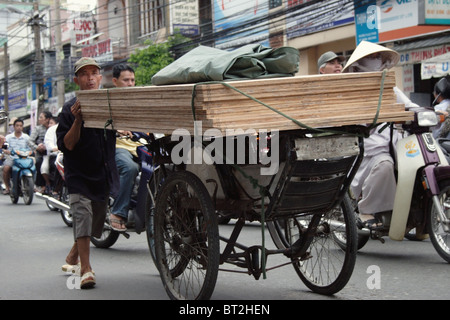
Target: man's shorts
point(88, 216)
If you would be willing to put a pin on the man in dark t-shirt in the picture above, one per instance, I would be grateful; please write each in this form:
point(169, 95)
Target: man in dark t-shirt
point(90, 172)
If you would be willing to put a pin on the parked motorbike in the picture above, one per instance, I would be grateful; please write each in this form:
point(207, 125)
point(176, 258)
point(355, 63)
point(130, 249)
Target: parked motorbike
point(422, 199)
point(22, 177)
point(59, 200)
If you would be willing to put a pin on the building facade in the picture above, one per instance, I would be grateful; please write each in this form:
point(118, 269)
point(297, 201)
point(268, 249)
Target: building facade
point(111, 30)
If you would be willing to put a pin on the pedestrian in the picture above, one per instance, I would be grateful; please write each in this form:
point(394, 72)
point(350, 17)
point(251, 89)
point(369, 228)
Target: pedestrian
point(90, 172)
point(126, 155)
point(330, 62)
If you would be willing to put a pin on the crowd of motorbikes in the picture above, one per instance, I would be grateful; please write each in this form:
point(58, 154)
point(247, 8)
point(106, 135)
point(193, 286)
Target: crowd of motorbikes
point(421, 208)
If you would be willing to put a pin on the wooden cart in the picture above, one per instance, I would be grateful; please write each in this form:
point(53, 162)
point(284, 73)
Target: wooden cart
point(200, 179)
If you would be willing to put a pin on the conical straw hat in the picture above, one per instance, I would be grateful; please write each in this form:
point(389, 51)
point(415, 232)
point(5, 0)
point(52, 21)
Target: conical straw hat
point(366, 48)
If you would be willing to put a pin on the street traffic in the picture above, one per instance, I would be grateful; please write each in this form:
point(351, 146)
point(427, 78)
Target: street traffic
point(34, 241)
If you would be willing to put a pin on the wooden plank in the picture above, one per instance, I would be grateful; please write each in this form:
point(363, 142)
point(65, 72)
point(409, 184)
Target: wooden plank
point(317, 100)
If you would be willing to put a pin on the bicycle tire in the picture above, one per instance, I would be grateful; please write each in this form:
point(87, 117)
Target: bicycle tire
point(328, 267)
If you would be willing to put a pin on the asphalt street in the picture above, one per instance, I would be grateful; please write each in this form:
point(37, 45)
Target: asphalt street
point(34, 242)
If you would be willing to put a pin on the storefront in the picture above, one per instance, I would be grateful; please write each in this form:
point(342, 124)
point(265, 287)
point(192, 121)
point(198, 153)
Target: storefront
point(412, 55)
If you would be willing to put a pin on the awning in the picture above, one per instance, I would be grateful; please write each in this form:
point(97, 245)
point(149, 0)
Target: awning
point(436, 67)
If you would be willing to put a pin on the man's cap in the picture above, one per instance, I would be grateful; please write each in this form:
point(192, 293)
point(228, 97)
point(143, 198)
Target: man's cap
point(327, 57)
point(366, 48)
point(83, 62)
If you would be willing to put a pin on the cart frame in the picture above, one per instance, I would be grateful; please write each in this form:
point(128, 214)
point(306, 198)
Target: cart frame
point(295, 226)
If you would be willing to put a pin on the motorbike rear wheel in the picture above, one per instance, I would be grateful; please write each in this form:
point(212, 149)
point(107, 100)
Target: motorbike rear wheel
point(440, 238)
point(27, 186)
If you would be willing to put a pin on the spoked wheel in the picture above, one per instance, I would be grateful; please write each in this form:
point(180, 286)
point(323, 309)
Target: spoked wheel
point(186, 238)
point(440, 230)
point(331, 255)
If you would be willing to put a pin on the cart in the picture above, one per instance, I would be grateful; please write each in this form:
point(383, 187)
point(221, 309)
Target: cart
point(301, 204)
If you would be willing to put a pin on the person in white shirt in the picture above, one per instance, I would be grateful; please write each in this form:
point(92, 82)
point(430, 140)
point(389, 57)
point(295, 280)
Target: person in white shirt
point(52, 151)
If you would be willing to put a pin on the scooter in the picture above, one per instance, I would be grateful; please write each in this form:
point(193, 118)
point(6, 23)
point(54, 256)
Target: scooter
point(422, 199)
point(22, 177)
point(59, 201)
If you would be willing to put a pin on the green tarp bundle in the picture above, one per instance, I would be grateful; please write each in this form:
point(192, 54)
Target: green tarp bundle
point(249, 62)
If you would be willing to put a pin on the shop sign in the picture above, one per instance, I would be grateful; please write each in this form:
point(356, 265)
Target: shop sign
point(101, 51)
point(435, 12)
point(418, 55)
point(82, 28)
point(16, 100)
point(319, 16)
point(185, 17)
point(241, 22)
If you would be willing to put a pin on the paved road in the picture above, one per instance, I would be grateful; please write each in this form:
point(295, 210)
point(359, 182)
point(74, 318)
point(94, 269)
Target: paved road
point(34, 242)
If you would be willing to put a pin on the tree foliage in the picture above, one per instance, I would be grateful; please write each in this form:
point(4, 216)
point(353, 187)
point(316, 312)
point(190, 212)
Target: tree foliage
point(154, 57)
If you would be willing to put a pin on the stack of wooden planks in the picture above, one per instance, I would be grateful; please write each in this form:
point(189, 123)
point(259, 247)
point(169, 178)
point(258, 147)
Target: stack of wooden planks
point(319, 101)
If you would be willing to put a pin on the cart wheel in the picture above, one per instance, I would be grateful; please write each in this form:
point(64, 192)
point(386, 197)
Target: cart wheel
point(186, 236)
point(332, 252)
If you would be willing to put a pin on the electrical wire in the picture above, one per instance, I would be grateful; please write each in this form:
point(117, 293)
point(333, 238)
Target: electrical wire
point(251, 27)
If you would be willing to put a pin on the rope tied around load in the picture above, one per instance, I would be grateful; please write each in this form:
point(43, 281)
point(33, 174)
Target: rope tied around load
point(254, 182)
point(110, 121)
point(300, 124)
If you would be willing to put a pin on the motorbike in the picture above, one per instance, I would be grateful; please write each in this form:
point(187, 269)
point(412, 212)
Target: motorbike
point(22, 177)
point(141, 198)
point(59, 200)
point(422, 199)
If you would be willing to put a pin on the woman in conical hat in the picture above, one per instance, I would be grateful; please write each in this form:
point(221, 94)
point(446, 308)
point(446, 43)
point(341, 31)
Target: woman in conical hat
point(374, 181)
point(370, 56)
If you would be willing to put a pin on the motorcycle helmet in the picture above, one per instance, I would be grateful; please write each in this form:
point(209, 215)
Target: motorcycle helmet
point(442, 89)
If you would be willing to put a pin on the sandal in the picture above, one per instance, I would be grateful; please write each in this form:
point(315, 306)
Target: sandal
point(72, 268)
point(6, 192)
point(119, 222)
point(87, 280)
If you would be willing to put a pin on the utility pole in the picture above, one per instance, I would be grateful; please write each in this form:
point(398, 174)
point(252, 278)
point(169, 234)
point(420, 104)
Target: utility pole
point(60, 87)
point(35, 22)
point(5, 77)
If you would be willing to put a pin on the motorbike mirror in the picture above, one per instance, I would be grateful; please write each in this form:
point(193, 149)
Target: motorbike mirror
point(3, 116)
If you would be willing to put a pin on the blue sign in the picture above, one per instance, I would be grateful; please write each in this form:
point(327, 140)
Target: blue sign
point(367, 17)
point(187, 30)
point(16, 100)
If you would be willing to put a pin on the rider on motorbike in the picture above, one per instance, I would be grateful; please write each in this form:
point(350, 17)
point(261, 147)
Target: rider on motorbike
point(441, 104)
point(123, 76)
point(375, 180)
point(16, 141)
